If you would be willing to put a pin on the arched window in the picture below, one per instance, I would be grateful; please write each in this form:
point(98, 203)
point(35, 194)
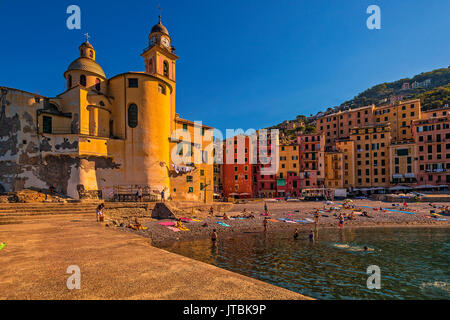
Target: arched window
point(132, 116)
point(166, 68)
point(69, 82)
point(91, 53)
point(83, 80)
point(97, 84)
point(161, 89)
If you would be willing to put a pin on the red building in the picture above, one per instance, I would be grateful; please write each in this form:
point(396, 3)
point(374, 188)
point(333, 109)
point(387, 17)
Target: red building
point(236, 169)
point(265, 179)
point(432, 138)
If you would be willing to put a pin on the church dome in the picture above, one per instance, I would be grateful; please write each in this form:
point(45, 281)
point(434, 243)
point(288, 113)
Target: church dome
point(86, 64)
point(159, 28)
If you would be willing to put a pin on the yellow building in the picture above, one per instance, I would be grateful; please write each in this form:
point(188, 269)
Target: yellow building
point(347, 148)
point(102, 133)
point(399, 116)
point(289, 160)
point(403, 167)
point(371, 155)
point(334, 165)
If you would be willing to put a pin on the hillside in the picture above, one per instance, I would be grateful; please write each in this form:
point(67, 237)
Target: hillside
point(432, 88)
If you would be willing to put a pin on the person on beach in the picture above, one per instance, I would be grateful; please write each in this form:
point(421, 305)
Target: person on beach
point(341, 221)
point(162, 195)
point(266, 224)
point(311, 236)
point(316, 220)
point(211, 211)
point(265, 208)
point(225, 216)
point(214, 236)
point(99, 213)
point(139, 194)
point(296, 234)
point(178, 224)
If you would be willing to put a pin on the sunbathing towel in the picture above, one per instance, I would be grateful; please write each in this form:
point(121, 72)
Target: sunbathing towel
point(173, 229)
point(309, 220)
point(183, 228)
point(187, 219)
point(223, 224)
point(273, 220)
point(441, 219)
point(289, 221)
point(197, 220)
point(302, 221)
point(168, 223)
point(290, 214)
point(282, 219)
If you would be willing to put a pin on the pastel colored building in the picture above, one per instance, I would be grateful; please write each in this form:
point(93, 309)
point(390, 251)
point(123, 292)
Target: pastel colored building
point(436, 113)
point(236, 168)
point(399, 116)
point(334, 165)
point(371, 155)
point(288, 180)
point(267, 166)
point(337, 125)
point(432, 139)
point(347, 148)
point(311, 155)
point(102, 133)
point(403, 167)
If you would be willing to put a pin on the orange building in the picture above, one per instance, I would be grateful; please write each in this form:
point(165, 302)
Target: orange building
point(347, 148)
point(399, 116)
point(337, 125)
point(334, 164)
point(372, 155)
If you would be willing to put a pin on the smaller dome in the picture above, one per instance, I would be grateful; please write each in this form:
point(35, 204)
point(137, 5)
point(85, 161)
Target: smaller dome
point(86, 64)
point(87, 44)
point(159, 28)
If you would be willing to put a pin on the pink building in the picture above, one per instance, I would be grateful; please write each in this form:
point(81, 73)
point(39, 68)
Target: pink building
point(312, 161)
point(432, 138)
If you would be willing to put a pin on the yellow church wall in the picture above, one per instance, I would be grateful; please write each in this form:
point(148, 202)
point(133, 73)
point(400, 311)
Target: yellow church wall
point(146, 147)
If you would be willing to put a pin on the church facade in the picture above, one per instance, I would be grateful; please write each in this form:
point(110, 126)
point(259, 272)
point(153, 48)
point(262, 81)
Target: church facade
point(103, 135)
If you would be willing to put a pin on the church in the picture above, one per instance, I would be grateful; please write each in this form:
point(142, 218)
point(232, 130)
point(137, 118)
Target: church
point(106, 137)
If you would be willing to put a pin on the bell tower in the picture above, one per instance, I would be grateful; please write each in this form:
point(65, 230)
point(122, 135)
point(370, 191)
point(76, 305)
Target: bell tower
point(159, 56)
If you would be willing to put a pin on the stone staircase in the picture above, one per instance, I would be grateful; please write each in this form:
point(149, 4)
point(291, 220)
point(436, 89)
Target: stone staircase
point(18, 212)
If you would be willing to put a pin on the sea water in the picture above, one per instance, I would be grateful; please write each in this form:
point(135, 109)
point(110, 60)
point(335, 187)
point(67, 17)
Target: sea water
point(413, 262)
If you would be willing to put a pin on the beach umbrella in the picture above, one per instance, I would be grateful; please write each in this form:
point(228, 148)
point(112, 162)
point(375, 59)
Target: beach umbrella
point(425, 186)
point(400, 188)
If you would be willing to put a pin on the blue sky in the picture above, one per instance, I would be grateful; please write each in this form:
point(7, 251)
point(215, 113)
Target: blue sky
point(243, 64)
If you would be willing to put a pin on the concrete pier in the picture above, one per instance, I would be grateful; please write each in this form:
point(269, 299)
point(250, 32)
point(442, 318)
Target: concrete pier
point(113, 265)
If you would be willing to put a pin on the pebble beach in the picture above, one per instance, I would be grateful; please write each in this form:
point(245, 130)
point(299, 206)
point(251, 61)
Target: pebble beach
point(420, 214)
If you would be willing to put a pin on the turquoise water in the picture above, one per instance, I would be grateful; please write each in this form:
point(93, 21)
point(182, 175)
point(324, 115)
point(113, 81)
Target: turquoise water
point(414, 262)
